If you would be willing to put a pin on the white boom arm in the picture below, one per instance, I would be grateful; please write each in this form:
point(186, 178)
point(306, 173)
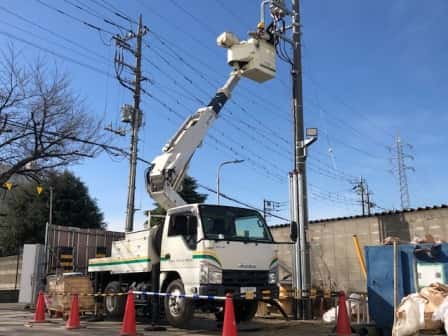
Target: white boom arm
point(254, 59)
point(168, 169)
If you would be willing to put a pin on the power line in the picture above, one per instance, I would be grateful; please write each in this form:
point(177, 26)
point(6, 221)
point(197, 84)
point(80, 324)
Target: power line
point(54, 53)
point(238, 18)
point(108, 21)
point(31, 33)
point(125, 153)
point(259, 129)
point(195, 18)
point(74, 18)
point(247, 205)
point(345, 124)
point(342, 102)
point(95, 14)
point(257, 165)
point(59, 36)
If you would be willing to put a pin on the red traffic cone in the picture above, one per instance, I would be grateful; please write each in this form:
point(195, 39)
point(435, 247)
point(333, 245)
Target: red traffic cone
point(73, 320)
point(129, 327)
point(343, 323)
point(39, 314)
point(229, 328)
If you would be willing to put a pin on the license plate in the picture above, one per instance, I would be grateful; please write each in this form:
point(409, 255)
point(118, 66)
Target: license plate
point(248, 290)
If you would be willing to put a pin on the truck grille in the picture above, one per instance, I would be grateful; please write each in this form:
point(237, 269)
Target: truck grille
point(244, 278)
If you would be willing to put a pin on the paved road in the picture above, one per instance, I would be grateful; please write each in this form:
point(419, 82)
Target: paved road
point(13, 322)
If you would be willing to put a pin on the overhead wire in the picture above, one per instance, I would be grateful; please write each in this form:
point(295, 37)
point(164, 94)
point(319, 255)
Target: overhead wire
point(257, 165)
point(51, 32)
point(57, 54)
point(247, 205)
point(84, 8)
point(215, 83)
point(64, 47)
point(74, 18)
point(104, 146)
point(78, 20)
point(265, 135)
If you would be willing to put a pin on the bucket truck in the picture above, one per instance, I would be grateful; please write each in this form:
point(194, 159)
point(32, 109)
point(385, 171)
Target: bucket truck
point(200, 248)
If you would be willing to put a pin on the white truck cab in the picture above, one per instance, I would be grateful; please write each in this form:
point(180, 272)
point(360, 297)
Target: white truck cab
point(204, 249)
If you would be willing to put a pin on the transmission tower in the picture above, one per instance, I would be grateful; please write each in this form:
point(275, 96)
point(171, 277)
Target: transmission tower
point(400, 167)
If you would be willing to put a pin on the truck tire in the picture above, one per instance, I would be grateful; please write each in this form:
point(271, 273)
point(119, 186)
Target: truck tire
point(178, 311)
point(114, 305)
point(245, 310)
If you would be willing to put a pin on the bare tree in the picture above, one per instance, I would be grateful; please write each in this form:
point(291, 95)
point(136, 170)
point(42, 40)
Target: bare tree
point(43, 124)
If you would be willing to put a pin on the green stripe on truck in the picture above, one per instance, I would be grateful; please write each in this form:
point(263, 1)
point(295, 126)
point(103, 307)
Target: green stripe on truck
point(120, 262)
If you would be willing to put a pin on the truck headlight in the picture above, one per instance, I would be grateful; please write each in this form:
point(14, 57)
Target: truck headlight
point(210, 274)
point(273, 276)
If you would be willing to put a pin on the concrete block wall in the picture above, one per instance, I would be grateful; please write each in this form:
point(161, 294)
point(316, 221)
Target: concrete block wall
point(333, 257)
point(434, 222)
point(8, 271)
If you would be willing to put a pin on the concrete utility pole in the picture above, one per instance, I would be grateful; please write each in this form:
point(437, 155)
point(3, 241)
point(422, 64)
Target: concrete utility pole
point(131, 114)
point(360, 188)
point(279, 29)
point(300, 202)
point(369, 204)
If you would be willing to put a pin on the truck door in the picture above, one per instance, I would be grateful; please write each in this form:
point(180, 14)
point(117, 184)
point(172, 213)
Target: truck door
point(178, 245)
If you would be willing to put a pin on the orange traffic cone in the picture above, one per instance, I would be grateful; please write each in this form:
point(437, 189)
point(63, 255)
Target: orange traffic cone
point(343, 323)
point(129, 327)
point(39, 314)
point(229, 328)
point(73, 320)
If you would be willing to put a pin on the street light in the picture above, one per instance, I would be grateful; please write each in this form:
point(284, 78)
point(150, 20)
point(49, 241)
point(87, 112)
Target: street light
point(218, 175)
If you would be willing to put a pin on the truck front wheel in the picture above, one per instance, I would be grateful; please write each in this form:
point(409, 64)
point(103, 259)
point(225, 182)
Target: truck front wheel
point(179, 311)
point(245, 310)
point(114, 304)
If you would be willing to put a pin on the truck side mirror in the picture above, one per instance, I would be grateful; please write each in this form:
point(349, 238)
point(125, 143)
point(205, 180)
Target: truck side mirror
point(293, 231)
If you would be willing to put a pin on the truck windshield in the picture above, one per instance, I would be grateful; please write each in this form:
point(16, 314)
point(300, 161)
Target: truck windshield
point(230, 223)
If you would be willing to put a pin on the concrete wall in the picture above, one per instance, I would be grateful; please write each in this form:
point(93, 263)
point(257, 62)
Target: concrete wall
point(10, 269)
point(334, 263)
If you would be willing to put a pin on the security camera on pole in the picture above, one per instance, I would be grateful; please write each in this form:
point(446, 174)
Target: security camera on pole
point(278, 31)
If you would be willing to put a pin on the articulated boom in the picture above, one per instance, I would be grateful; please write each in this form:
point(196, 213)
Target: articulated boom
point(254, 59)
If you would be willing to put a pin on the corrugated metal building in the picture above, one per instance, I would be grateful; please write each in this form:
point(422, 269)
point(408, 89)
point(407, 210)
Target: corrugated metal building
point(80, 244)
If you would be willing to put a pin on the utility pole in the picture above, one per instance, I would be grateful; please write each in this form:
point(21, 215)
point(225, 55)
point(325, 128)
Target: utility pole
point(399, 159)
point(360, 188)
point(368, 203)
point(279, 30)
point(131, 114)
point(269, 207)
point(299, 173)
point(50, 213)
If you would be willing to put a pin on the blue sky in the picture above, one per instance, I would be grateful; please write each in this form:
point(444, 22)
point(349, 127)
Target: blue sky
point(372, 70)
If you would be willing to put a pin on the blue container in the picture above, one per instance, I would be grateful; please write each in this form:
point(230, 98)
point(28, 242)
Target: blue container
point(379, 260)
